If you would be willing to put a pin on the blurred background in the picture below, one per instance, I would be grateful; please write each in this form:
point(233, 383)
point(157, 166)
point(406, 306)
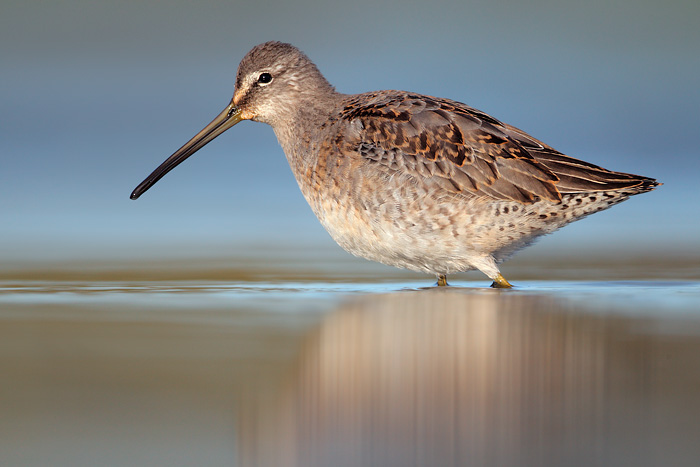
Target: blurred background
point(96, 94)
point(284, 350)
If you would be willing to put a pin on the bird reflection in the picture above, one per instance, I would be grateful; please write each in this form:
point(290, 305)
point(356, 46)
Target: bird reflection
point(452, 378)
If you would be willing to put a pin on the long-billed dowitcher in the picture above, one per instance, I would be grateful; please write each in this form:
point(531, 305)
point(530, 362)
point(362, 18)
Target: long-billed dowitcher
point(409, 180)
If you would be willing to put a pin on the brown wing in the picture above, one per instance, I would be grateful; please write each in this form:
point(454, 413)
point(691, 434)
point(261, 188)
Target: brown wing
point(464, 150)
point(577, 176)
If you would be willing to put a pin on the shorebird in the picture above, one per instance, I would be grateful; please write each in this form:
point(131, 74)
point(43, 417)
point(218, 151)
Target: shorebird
point(409, 180)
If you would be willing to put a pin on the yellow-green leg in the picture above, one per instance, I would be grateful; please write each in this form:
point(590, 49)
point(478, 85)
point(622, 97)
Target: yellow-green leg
point(442, 280)
point(499, 282)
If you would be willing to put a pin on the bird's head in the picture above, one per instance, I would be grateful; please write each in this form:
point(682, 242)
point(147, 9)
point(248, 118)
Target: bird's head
point(274, 80)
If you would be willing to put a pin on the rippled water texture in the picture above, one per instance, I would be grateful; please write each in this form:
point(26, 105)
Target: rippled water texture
point(348, 373)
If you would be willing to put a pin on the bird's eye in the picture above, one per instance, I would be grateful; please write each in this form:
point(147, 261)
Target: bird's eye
point(264, 78)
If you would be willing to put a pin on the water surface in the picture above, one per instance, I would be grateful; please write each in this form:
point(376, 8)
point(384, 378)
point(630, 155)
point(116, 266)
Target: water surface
point(305, 373)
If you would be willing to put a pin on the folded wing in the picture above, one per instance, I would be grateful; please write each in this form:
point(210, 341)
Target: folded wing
point(464, 150)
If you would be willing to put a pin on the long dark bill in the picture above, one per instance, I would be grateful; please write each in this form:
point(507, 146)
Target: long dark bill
point(225, 120)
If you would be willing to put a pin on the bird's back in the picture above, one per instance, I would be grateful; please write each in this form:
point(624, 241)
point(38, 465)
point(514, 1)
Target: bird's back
point(446, 142)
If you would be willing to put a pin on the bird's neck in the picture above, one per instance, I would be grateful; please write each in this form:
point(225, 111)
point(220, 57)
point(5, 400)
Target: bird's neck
point(299, 132)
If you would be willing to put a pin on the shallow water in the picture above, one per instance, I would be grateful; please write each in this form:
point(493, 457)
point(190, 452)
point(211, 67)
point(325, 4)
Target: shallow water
point(306, 373)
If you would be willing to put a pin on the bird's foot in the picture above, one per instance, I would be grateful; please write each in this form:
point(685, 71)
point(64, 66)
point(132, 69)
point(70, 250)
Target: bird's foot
point(499, 282)
point(442, 280)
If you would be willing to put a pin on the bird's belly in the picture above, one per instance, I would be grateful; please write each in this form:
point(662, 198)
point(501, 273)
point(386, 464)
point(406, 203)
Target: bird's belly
point(401, 222)
point(441, 235)
point(421, 235)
